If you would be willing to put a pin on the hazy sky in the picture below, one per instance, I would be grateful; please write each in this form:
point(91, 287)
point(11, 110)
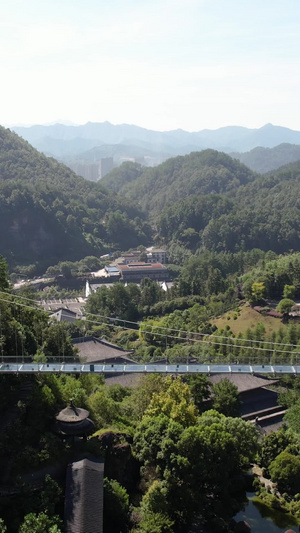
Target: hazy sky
point(160, 64)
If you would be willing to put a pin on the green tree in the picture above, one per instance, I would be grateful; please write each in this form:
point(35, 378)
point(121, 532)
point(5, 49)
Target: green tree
point(274, 444)
point(3, 528)
point(57, 341)
point(104, 410)
point(50, 495)
point(40, 523)
point(115, 507)
point(200, 389)
point(258, 291)
point(137, 403)
point(289, 291)
point(65, 268)
point(285, 471)
point(285, 305)
point(175, 402)
point(155, 507)
point(226, 398)
point(153, 522)
point(154, 438)
point(194, 464)
point(3, 274)
point(115, 301)
point(293, 417)
point(150, 292)
point(206, 458)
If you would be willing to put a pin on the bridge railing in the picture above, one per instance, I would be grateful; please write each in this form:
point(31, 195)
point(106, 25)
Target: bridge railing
point(78, 368)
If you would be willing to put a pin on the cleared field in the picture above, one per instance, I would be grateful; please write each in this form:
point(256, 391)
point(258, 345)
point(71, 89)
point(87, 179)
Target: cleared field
point(247, 318)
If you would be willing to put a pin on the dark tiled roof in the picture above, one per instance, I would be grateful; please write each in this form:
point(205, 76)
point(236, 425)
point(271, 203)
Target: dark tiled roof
point(79, 429)
point(244, 382)
point(276, 314)
point(126, 380)
point(141, 266)
point(64, 314)
point(93, 350)
point(84, 497)
point(72, 414)
point(65, 311)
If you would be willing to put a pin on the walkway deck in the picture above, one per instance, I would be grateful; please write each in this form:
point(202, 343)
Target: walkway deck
point(78, 368)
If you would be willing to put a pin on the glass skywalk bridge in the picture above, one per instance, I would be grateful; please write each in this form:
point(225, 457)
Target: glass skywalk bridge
point(81, 368)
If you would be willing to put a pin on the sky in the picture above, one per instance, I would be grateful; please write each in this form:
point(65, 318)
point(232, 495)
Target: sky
point(159, 64)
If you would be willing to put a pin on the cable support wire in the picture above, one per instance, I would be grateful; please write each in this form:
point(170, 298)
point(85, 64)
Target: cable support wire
point(169, 336)
point(123, 320)
point(190, 332)
point(164, 328)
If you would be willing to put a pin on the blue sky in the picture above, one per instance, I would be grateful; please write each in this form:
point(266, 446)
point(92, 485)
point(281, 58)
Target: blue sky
point(163, 65)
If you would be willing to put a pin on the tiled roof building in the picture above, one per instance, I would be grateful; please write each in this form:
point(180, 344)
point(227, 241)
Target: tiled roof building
point(94, 350)
point(135, 272)
point(64, 314)
point(84, 497)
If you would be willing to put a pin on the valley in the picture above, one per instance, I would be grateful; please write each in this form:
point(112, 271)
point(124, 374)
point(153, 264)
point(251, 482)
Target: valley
point(195, 260)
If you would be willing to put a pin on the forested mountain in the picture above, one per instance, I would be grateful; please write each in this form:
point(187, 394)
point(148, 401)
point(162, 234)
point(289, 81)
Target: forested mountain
point(48, 213)
point(263, 160)
point(177, 142)
point(205, 200)
point(208, 200)
point(119, 177)
point(263, 213)
point(206, 172)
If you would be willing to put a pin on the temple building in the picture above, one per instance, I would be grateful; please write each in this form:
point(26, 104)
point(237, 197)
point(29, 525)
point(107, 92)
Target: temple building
point(84, 496)
point(73, 422)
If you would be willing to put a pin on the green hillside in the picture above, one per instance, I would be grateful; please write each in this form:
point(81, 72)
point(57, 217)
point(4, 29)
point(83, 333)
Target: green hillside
point(248, 318)
point(206, 172)
point(266, 159)
point(48, 213)
point(207, 200)
point(119, 177)
point(263, 214)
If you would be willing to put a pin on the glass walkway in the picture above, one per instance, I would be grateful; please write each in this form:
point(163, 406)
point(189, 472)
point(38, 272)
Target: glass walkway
point(79, 368)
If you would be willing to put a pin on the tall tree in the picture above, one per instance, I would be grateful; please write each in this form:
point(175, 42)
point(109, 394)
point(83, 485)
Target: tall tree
point(226, 398)
point(3, 274)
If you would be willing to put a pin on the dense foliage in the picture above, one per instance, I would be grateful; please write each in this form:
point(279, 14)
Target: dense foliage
point(261, 214)
point(120, 176)
point(206, 172)
point(264, 160)
point(207, 200)
point(56, 213)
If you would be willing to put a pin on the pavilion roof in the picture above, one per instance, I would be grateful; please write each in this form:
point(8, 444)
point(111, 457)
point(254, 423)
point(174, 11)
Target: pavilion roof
point(72, 414)
point(78, 429)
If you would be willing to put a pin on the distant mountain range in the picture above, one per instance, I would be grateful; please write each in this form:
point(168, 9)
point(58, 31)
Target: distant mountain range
point(75, 142)
point(204, 201)
point(266, 159)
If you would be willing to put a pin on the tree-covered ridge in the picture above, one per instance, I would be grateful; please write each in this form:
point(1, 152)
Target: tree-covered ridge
point(262, 160)
point(206, 172)
point(122, 175)
point(266, 215)
point(48, 213)
point(275, 273)
point(263, 214)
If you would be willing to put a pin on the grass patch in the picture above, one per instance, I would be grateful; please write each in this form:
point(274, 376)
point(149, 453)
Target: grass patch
point(247, 318)
point(115, 429)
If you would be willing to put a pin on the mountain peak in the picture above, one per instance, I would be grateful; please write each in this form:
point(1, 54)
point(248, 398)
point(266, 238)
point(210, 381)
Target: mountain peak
point(267, 126)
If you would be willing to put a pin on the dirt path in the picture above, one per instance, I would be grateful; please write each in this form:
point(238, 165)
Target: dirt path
point(257, 471)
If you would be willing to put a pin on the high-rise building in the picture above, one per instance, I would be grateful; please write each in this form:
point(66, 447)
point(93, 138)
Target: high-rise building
point(105, 165)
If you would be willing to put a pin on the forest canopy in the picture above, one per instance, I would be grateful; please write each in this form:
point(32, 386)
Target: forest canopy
point(48, 213)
